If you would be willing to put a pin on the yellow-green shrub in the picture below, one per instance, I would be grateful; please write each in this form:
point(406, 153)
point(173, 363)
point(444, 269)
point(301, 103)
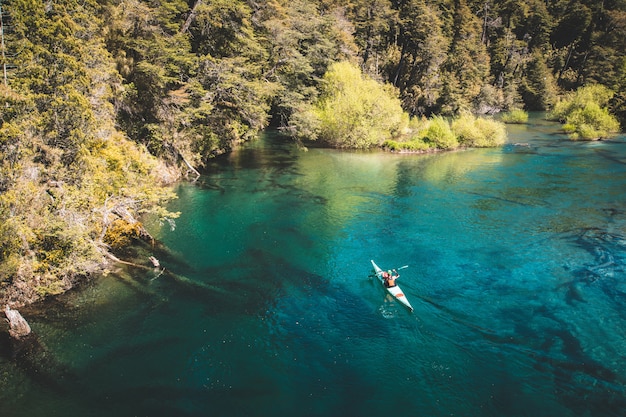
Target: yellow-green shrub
point(585, 113)
point(440, 134)
point(515, 116)
point(354, 111)
point(415, 145)
point(590, 122)
point(478, 132)
point(121, 233)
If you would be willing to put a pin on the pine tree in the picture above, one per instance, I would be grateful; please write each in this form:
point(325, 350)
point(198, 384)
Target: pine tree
point(423, 46)
point(467, 69)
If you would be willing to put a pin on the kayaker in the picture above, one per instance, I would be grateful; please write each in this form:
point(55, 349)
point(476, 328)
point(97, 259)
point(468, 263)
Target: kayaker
point(390, 278)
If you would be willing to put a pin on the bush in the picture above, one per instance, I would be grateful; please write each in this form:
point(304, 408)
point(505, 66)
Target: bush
point(51, 285)
point(478, 132)
point(585, 113)
point(464, 127)
point(591, 122)
point(440, 134)
point(121, 233)
point(415, 145)
point(493, 133)
point(354, 111)
point(465, 130)
point(515, 116)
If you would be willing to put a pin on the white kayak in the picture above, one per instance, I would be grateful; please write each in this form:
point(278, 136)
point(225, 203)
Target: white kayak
point(395, 291)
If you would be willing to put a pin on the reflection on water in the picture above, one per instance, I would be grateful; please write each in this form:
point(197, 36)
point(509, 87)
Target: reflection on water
point(265, 306)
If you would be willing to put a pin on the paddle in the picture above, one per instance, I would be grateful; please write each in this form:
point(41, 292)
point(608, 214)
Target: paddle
point(397, 269)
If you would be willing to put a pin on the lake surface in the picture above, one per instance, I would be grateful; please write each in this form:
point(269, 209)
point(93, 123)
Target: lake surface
point(515, 270)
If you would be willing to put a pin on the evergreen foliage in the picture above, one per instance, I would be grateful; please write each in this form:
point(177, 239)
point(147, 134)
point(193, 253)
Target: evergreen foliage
point(69, 173)
point(466, 71)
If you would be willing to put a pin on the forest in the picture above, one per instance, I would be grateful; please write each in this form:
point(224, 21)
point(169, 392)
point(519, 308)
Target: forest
point(105, 102)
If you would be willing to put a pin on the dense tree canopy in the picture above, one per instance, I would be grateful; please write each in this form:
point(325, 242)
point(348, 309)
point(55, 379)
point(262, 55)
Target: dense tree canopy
point(103, 98)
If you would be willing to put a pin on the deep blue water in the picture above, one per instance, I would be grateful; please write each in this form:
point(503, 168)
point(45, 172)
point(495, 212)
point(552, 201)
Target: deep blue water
point(516, 272)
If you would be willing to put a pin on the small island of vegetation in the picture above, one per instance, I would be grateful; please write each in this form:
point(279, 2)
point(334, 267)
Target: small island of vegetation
point(105, 102)
point(585, 115)
point(354, 111)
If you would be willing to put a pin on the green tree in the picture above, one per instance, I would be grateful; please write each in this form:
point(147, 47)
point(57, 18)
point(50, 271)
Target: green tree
point(538, 87)
point(65, 162)
point(423, 52)
point(516, 33)
point(466, 71)
point(354, 111)
point(605, 59)
point(155, 60)
point(375, 23)
point(302, 43)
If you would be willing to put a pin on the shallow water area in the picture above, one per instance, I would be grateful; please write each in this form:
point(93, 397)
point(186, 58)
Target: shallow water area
point(266, 306)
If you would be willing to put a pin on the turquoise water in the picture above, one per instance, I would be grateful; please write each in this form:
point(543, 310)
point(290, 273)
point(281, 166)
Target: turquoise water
point(516, 273)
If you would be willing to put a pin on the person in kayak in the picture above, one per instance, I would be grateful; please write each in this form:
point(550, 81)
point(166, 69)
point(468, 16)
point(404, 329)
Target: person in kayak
point(390, 278)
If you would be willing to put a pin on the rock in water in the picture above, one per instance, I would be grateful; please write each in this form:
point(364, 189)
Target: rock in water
point(18, 326)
